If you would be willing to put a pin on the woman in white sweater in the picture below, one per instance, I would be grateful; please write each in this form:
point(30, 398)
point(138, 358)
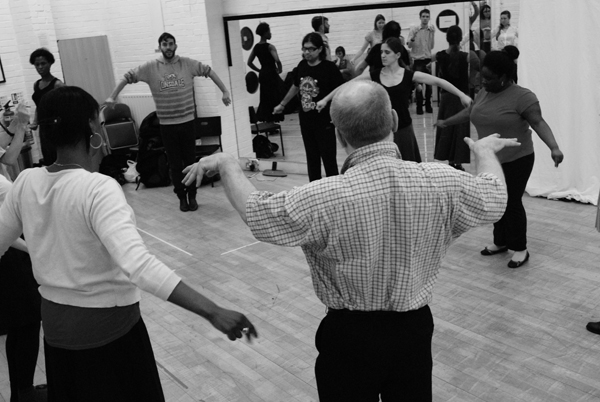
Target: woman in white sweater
point(90, 260)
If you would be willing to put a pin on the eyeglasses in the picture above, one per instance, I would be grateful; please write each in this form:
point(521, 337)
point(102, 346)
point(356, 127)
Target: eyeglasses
point(309, 49)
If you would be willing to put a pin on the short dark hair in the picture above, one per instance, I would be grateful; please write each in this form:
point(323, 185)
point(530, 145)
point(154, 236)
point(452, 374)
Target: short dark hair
point(41, 52)
point(317, 21)
point(340, 49)
point(262, 29)
point(506, 12)
point(377, 18)
point(316, 39)
point(424, 11)
point(164, 37)
point(391, 30)
point(501, 63)
point(454, 35)
point(64, 116)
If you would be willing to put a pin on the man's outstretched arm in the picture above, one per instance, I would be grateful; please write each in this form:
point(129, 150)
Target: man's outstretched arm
point(237, 186)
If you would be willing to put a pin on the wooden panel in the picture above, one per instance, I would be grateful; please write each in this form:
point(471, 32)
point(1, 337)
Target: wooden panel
point(86, 63)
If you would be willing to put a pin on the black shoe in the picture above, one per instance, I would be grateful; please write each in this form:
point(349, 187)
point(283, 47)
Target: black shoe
point(183, 204)
point(487, 251)
point(192, 204)
point(593, 327)
point(419, 110)
point(428, 109)
point(517, 264)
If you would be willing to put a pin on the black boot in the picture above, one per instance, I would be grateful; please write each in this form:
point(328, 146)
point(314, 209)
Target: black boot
point(428, 107)
point(193, 205)
point(183, 203)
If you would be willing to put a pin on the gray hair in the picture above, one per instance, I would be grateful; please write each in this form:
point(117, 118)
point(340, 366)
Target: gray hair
point(362, 113)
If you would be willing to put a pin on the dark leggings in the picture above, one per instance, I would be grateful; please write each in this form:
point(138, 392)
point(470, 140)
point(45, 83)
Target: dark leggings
point(511, 229)
point(22, 346)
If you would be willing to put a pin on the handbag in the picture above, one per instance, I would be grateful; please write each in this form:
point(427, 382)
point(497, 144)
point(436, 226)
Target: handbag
point(130, 172)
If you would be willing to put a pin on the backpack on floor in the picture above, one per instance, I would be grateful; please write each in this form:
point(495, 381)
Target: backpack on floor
point(153, 168)
point(152, 164)
point(263, 147)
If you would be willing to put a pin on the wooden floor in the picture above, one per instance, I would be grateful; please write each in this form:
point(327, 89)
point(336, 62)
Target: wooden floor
point(500, 334)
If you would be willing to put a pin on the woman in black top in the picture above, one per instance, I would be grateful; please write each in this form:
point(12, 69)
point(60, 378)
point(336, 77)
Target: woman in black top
point(43, 60)
point(453, 66)
point(316, 77)
point(271, 84)
point(398, 81)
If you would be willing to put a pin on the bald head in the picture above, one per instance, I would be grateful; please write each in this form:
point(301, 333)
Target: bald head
point(362, 113)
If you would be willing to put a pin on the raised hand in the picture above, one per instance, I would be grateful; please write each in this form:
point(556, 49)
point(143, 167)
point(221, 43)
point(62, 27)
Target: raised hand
point(491, 143)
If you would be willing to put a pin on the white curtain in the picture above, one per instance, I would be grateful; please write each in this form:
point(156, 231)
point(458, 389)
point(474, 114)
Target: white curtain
point(559, 41)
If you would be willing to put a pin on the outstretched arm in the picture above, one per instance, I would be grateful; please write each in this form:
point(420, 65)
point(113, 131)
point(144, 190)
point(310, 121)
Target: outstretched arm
point(485, 151)
point(323, 102)
point(117, 91)
point(360, 52)
point(237, 186)
point(231, 323)
point(432, 80)
point(226, 97)
point(533, 115)
point(288, 97)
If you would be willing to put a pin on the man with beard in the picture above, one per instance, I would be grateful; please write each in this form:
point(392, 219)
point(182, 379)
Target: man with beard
point(171, 81)
point(321, 26)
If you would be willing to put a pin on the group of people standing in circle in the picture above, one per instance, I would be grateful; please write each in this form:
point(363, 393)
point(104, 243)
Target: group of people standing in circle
point(499, 105)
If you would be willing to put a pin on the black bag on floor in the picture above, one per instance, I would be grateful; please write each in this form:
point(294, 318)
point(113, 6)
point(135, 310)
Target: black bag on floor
point(152, 163)
point(113, 165)
point(153, 167)
point(263, 147)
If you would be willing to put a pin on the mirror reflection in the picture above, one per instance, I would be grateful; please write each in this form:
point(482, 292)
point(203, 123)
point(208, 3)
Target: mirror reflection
point(348, 40)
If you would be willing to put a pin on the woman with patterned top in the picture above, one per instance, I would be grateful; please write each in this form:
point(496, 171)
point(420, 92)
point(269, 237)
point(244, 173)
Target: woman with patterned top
point(316, 77)
point(271, 84)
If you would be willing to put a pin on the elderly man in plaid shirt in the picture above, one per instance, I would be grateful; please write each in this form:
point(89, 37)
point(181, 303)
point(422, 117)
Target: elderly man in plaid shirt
point(374, 238)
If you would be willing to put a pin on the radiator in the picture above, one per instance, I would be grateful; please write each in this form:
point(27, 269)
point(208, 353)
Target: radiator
point(141, 105)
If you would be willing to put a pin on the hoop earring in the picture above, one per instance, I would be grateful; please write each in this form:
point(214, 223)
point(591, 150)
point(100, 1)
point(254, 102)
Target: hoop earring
point(101, 142)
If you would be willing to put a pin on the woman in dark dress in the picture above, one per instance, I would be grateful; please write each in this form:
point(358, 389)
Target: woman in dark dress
point(271, 84)
point(43, 60)
point(453, 66)
point(316, 77)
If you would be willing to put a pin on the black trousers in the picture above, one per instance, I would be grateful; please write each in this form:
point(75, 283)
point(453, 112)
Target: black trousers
point(511, 229)
point(22, 346)
point(121, 371)
point(319, 144)
point(179, 141)
point(367, 355)
point(421, 65)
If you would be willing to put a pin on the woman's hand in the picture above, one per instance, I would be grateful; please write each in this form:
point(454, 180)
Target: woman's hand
point(322, 104)
point(440, 124)
point(557, 156)
point(226, 98)
point(278, 109)
point(466, 100)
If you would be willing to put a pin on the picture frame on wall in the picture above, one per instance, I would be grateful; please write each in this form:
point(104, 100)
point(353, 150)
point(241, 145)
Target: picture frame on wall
point(2, 77)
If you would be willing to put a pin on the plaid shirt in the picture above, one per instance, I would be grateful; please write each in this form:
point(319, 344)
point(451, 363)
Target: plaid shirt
point(374, 237)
